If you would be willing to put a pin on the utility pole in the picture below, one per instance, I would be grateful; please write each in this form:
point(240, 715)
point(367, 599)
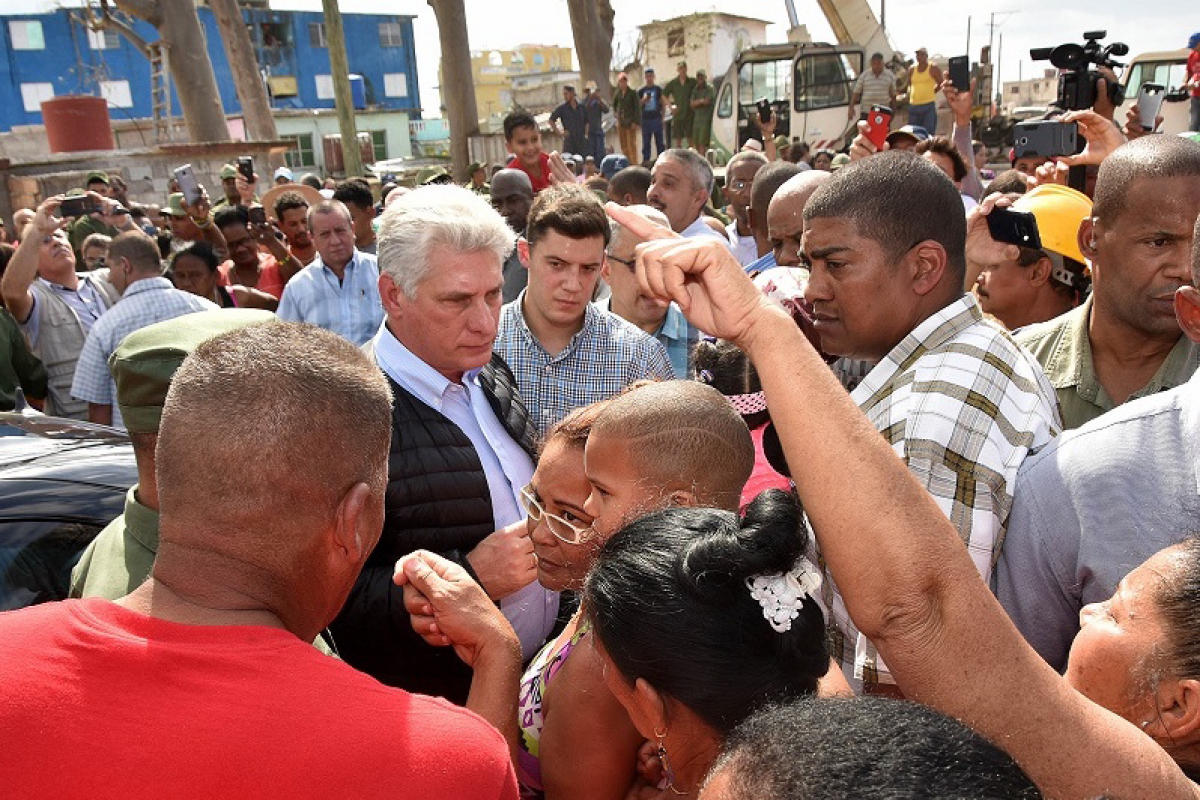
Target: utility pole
point(340, 67)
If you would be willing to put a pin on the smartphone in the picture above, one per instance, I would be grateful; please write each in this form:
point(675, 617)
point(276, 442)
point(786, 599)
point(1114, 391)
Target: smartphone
point(879, 123)
point(1045, 137)
point(1014, 227)
point(1149, 102)
point(764, 110)
point(246, 167)
point(960, 73)
point(258, 215)
point(188, 183)
point(77, 207)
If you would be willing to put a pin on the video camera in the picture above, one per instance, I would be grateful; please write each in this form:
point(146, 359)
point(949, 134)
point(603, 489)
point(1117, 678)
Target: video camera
point(1077, 84)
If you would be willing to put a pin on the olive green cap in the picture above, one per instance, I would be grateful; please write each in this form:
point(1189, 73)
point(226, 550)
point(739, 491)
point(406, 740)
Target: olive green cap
point(228, 171)
point(430, 174)
point(96, 176)
point(175, 205)
point(145, 361)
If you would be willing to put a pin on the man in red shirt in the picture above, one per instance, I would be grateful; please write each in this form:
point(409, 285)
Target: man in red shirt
point(1193, 80)
point(202, 681)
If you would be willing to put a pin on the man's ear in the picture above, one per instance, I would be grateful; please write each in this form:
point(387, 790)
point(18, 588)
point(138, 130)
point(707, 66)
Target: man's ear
point(352, 538)
point(523, 251)
point(927, 262)
point(1187, 311)
point(683, 498)
point(390, 295)
point(605, 272)
point(1087, 238)
point(1039, 273)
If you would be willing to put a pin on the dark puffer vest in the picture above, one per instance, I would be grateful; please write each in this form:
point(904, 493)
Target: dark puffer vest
point(437, 499)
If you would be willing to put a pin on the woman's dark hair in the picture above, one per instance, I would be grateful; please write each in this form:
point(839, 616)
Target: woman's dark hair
point(865, 747)
point(725, 367)
point(669, 602)
point(1178, 601)
point(202, 251)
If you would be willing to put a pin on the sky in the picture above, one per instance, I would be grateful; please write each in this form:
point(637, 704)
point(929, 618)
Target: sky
point(939, 25)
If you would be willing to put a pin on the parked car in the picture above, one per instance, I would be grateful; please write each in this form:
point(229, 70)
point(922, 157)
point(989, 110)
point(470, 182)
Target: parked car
point(61, 482)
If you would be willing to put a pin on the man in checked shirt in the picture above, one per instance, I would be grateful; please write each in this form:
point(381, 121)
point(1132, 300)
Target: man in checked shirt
point(564, 351)
point(955, 396)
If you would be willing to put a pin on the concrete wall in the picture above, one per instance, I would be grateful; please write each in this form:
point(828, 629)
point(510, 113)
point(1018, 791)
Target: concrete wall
point(145, 170)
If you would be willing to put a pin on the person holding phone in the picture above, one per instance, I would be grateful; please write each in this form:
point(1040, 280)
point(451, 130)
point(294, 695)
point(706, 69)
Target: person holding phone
point(923, 82)
point(874, 87)
point(1193, 81)
point(55, 306)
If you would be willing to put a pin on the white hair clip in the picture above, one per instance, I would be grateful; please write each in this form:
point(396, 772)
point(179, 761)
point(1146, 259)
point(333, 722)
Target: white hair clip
point(782, 596)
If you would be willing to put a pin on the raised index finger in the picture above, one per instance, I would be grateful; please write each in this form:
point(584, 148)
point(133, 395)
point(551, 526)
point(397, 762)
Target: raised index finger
point(638, 225)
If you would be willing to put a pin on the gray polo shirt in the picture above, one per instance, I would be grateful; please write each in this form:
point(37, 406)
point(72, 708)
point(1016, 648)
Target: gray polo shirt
point(1096, 504)
point(876, 89)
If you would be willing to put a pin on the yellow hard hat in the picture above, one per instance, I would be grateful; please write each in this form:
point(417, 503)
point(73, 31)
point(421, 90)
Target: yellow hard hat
point(1058, 211)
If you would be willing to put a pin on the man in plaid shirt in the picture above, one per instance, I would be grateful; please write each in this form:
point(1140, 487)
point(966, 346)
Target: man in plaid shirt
point(956, 397)
point(564, 351)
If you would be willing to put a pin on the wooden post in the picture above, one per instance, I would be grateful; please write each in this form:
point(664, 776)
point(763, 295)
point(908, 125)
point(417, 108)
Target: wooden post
point(335, 40)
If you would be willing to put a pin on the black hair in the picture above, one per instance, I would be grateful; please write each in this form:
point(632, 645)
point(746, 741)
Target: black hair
point(944, 146)
point(1144, 157)
point(668, 601)
point(1178, 598)
point(232, 215)
point(631, 180)
point(865, 747)
point(766, 183)
point(1010, 181)
point(571, 210)
point(897, 199)
point(287, 201)
point(202, 251)
point(518, 119)
point(311, 180)
point(356, 192)
point(726, 367)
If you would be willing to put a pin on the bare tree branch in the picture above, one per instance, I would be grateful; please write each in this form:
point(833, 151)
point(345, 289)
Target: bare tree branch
point(104, 19)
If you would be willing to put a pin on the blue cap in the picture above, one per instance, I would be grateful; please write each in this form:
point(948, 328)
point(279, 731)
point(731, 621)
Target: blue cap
point(1193, 40)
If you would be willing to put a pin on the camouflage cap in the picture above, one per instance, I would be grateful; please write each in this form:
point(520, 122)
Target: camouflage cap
point(145, 361)
point(228, 171)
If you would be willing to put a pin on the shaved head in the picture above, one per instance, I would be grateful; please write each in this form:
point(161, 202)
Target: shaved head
point(1144, 157)
point(683, 433)
point(785, 215)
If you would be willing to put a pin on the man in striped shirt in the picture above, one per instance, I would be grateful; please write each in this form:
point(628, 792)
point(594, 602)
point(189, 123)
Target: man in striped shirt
point(339, 291)
point(955, 396)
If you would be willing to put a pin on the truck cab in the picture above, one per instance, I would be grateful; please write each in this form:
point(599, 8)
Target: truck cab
point(1166, 68)
point(808, 85)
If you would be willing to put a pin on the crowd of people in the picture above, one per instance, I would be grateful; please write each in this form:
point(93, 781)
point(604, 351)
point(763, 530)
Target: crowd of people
point(616, 482)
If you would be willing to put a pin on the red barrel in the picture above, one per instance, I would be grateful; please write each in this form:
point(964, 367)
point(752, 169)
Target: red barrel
point(77, 122)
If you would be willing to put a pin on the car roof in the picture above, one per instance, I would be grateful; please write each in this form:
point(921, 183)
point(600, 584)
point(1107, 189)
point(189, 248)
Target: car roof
point(46, 448)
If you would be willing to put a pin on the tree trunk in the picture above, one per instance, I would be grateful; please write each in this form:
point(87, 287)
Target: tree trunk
point(191, 71)
point(256, 108)
point(592, 27)
point(335, 39)
point(458, 87)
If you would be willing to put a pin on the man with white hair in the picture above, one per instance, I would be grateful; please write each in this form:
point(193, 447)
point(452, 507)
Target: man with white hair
point(664, 321)
point(339, 290)
point(462, 443)
point(680, 185)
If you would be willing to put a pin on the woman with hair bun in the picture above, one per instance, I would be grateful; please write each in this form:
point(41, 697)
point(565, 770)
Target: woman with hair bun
point(701, 618)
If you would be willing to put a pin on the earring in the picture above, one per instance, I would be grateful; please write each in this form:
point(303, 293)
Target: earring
point(666, 764)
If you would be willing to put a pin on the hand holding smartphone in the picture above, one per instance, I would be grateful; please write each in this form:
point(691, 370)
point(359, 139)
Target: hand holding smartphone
point(879, 123)
point(960, 73)
point(1149, 103)
point(1046, 138)
point(1014, 227)
point(188, 184)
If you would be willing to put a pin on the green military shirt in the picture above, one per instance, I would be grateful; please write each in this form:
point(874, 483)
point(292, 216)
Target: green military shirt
point(19, 367)
point(627, 107)
point(702, 117)
point(1062, 347)
point(681, 95)
point(120, 557)
point(485, 189)
point(81, 229)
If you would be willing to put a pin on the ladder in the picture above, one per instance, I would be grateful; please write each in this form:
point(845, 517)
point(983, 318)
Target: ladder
point(160, 92)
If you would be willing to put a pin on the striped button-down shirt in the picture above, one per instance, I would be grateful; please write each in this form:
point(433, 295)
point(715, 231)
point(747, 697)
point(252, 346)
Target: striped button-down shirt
point(605, 356)
point(145, 302)
point(350, 307)
point(675, 335)
point(963, 405)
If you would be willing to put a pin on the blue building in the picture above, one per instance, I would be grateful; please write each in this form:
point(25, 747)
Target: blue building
point(46, 55)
